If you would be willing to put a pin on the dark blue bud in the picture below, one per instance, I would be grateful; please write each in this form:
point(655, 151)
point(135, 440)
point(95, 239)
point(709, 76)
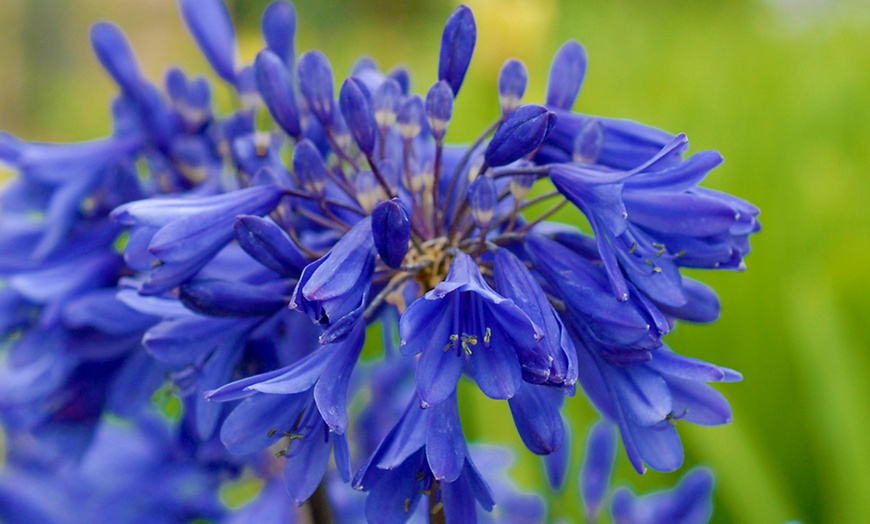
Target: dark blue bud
point(210, 24)
point(457, 46)
point(309, 167)
point(225, 298)
point(391, 228)
point(439, 108)
point(363, 64)
point(269, 245)
point(114, 52)
point(315, 82)
point(387, 100)
point(482, 199)
point(355, 102)
point(279, 30)
point(520, 134)
point(402, 77)
point(412, 115)
point(276, 88)
point(566, 76)
point(512, 80)
point(589, 142)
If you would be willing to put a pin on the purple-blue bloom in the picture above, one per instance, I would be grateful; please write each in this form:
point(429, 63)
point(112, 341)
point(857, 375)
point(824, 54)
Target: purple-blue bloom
point(184, 261)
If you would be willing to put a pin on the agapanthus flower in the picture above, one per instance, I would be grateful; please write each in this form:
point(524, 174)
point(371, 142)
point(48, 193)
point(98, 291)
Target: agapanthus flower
point(238, 263)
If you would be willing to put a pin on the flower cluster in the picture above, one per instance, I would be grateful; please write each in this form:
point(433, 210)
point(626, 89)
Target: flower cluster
point(236, 264)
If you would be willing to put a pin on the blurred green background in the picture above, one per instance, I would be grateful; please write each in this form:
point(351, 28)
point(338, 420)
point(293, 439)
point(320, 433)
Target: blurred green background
point(780, 87)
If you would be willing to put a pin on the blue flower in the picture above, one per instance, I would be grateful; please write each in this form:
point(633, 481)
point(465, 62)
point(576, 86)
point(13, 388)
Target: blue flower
point(652, 220)
point(464, 320)
point(424, 453)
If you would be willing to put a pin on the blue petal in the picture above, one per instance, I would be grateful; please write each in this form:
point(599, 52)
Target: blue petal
point(388, 498)
point(330, 393)
point(495, 367)
point(445, 444)
point(674, 365)
point(643, 394)
point(679, 213)
point(301, 375)
point(187, 237)
point(659, 445)
point(535, 410)
point(307, 461)
point(249, 427)
point(699, 403)
point(405, 438)
point(438, 372)
point(225, 298)
point(217, 371)
point(182, 341)
point(269, 245)
point(345, 266)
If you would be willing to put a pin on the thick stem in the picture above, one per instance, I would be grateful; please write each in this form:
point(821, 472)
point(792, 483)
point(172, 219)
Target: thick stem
point(321, 511)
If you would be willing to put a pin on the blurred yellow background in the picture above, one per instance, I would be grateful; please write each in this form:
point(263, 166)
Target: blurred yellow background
point(780, 87)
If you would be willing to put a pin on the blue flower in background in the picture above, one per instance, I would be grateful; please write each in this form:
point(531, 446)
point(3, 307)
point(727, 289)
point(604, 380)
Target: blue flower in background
point(236, 265)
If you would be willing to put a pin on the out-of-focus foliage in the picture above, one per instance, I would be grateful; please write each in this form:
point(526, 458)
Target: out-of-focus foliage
point(781, 88)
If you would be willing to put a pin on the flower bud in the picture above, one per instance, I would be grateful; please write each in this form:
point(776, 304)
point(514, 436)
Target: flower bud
point(482, 199)
point(391, 228)
point(276, 88)
point(309, 167)
point(521, 185)
point(114, 52)
point(512, 80)
point(315, 82)
point(279, 30)
point(457, 46)
point(212, 28)
point(402, 77)
point(520, 134)
point(354, 100)
point(387, 100)
point(439, 108)
point(411, 117)
point(588, 142)
point(566, 76)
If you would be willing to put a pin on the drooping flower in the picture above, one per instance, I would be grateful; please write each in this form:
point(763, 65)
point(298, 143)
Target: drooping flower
point(464, 320)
